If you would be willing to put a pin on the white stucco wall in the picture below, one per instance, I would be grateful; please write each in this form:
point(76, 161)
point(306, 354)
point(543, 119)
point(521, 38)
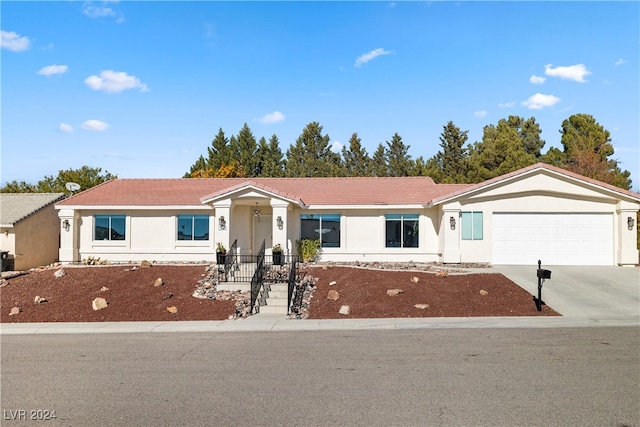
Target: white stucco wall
point(150, 235)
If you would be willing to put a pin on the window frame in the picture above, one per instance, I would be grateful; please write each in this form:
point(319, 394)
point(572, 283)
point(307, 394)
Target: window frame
point(401, 218)
point(471, 225)
point(110, 218)
point(334, 217)
point(194, 217)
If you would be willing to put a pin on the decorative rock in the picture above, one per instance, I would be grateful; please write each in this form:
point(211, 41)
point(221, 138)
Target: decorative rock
point(14, 311)
point(173, 309)
point(39, 300)
point(145, 264)
point(483, 292)
point(99, 303)
point(159, 282)
point(332, 283)
point(169, 295)
point(333, 295)
point(415, 279)
point(421, 306)
point(59, 273)
point(394, 292)
point(442, 274)
point(345, 309)
point(104, 289)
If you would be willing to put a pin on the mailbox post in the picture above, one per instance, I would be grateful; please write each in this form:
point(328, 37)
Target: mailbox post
point(542, 274)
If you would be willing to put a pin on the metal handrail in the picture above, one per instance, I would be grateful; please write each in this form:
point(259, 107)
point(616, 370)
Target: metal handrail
point(257, 279)
point(231, 259)
point(292, 282)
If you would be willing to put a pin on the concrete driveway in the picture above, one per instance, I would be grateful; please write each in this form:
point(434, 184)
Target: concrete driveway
point(583, 291)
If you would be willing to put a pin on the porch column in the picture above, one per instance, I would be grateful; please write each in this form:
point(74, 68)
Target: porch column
point(69, 236)
point(627, 252)
point(450, 227)
point(280, 209)
point(223, 223)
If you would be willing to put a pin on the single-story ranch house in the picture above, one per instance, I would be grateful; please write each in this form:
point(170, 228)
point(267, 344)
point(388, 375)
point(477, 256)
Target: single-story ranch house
point(29, 229)
point(538, 212)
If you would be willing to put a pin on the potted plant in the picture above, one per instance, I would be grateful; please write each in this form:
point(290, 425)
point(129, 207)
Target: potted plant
point(221, 253)
point(277, 254)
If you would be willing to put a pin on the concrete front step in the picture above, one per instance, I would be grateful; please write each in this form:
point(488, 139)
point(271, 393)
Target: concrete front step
point(273, 309)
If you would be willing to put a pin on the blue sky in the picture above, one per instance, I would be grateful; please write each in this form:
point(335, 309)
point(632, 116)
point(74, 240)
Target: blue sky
point(140, 89)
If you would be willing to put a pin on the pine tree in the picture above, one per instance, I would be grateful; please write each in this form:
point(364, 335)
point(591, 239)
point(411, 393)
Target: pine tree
point(270, 161)
point(450, 164)
point(311, 155)
point(379, 165)
point(356, 159)
point(244, 149)
point(219, 153)
point(399, 162)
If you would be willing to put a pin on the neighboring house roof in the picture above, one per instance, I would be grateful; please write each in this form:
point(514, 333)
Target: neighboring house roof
point(342, 191)
point(306, 191)
point(14, 207)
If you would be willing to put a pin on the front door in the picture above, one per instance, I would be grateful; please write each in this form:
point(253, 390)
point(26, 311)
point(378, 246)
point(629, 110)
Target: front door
point(262, 231)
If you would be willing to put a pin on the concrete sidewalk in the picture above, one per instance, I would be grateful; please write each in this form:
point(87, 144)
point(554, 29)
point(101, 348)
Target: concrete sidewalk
point(270, 322)
point(585, 296)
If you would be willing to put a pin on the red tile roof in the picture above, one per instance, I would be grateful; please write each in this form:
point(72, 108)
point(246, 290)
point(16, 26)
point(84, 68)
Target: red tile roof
point(307, 191)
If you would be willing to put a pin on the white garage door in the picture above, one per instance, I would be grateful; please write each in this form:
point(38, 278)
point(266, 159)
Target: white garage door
point(555, 239)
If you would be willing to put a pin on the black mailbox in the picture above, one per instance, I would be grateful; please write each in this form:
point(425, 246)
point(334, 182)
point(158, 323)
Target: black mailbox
point(544, 274)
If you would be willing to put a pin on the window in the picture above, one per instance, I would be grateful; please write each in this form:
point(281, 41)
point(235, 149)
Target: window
point(401, 230)
point(193, 227)
point(325, 227)
point(109, 227)
point(471, 225)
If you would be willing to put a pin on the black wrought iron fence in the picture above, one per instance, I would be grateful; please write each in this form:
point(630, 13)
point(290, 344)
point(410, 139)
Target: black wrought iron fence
point(292, 282)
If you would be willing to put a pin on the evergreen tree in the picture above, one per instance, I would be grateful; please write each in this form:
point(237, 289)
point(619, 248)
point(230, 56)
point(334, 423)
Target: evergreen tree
point(450, 164)
point(379, 165)
point(244, 150)
point(219, 153)
point(271, 163)
point(311, 155)
point(501, 151)
point(399, 162)
point(356, 159)
point(587, 150)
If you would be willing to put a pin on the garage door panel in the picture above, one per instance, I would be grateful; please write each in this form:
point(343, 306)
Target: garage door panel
point(556, 239)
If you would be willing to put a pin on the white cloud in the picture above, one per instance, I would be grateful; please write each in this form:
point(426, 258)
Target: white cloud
point(65, 128)
point(95, 125)
point(363, 59)
point(336, 147)
point(537, 80)
point(621, 61)
point(14, 42)
point(507, 104)
point(572, 72)
point(50, 70)
point(102, 11)
point(540, 101)
point(115, 81)
point(481, 113)
point(270, 118)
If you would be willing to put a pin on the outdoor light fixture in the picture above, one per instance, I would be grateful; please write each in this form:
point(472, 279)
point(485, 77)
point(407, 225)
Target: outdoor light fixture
point(222, 224)
point(279, 223)
point(66, 225)
point(256, 211)
point(452, 222)
point(630, 221)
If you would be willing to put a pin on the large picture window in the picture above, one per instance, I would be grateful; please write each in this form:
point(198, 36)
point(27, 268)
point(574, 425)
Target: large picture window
point(401, 230)
point(325, 227)
point(109, 227)
point(193, 227)
point(471, 225)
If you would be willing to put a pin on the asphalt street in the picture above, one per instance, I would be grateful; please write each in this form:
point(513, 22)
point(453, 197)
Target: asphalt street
point(420, 377)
